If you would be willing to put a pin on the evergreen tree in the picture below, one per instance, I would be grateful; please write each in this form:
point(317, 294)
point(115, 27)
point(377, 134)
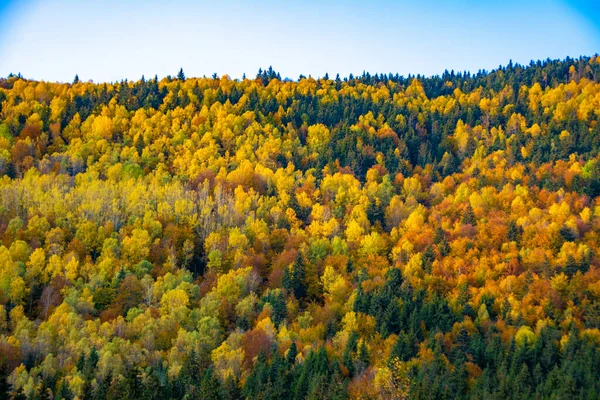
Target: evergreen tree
point(391, 319)
point(404, 349)
point(513, 231)
point(363, 356)
point(292, 353)
point(181, 75)
point(230, 390)
point(469, 216)
point(294, 279)
point(64, 392)
point(210, 387)
point(4, 385)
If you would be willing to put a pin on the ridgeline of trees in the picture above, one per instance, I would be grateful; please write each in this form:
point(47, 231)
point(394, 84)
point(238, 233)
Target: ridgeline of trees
point(375, 236)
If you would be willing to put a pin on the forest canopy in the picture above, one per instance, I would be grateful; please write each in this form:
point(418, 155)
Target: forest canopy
point(376, 236)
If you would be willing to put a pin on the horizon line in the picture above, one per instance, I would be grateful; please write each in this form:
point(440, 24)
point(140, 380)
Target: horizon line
point(351, 76)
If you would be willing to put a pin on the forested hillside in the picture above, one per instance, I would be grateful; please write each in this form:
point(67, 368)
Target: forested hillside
point(369, 237)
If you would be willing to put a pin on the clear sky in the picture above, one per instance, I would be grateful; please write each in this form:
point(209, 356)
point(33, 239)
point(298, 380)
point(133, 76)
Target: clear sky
point(109, 40)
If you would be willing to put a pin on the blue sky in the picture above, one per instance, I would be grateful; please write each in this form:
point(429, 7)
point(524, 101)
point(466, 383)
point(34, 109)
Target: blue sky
point(110, 40)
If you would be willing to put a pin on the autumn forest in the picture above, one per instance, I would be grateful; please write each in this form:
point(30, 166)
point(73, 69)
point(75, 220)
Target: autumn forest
point(364, 237)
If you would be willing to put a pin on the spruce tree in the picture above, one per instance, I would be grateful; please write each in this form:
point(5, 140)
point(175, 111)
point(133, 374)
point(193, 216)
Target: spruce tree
point(181, 75)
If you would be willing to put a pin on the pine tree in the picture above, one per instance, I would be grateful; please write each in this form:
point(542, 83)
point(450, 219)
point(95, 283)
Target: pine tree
point(363, 356)
point(64, 392)
point(303, 382)
point(230, 389)
point(294, 279)
point(404, 349)
point(513, 232)
point(391, 319)
point(210, 387)
point(292, 353)
point(394, 279)
point(571, 266)
point(428, 258)
point(192, 368)
point(469, 216)
point(81, 361)
point(101, 389)
point(4, 385)
point(181, 75)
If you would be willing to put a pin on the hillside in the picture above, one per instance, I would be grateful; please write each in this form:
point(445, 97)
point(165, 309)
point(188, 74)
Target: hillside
point(375, 236)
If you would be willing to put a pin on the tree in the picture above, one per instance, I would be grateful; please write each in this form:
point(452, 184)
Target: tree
point(363, 356)
point(469, 216)
point(209, 389)
point(4, 385)
point(294, 280)
point(513, 231)
point(391, 319)
point(291, 354)
point(404, 348)
point(181, 75)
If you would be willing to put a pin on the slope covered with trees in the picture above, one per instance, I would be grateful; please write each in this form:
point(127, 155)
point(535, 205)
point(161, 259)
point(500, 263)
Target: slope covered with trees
point(371, 237)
